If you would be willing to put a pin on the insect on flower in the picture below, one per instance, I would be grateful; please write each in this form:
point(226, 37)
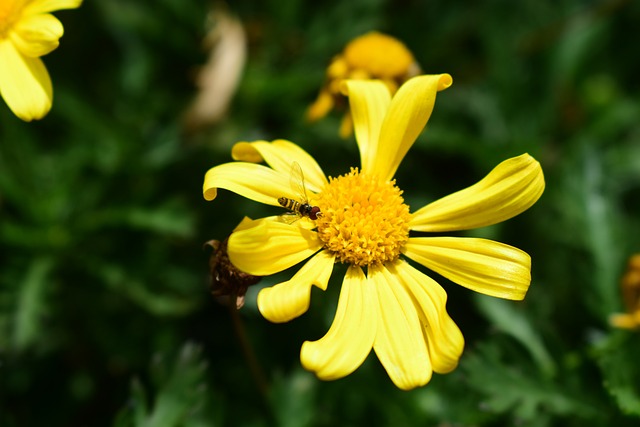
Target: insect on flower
point(300, 208)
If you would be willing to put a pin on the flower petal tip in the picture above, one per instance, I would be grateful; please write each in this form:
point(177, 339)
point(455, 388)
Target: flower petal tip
point(284, 303)
point(245, 152)
point(209, 193)
point(444, 82)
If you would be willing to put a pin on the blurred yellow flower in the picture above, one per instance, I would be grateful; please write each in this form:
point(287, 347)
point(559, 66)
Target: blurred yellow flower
point(371, 56)
point(364, 222)
point(27, 32)
point(631, 297)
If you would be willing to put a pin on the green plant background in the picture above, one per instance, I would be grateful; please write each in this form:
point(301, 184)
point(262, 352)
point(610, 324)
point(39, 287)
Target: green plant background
point(105, 313)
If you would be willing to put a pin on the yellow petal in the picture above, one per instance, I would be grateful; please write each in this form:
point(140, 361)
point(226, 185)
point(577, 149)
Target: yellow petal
point(37, 35)
point(444, 338)
point(346, 126)
point(246, 223)
point(623, 321)
point(321, 107)
point(510, 188)
point(399, 344)
point(44, 6)
point(406, 117)
point(24, 83)
point(288, 300)
point(280, 155)
point(267, 247)
point(350, 339)
point(481, 265)
point(368, 100)
point(255, 182)
point(338, 69)
point(290, 220)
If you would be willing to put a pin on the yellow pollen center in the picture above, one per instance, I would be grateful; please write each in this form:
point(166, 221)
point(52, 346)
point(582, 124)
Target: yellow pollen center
point(379, 55)
point(364, 221)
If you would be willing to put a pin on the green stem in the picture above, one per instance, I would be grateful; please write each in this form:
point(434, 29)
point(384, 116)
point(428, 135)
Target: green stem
point(249, 354)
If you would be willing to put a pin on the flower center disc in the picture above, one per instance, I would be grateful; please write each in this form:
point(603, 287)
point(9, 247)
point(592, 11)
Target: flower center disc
point(379, 55)
point(364, 221)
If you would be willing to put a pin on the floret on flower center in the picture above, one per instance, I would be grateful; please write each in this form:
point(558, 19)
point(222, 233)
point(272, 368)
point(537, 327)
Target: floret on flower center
point(364, 221)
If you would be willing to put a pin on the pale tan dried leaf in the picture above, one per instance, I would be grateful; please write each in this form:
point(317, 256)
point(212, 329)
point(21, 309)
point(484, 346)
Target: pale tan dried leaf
point(218, 79)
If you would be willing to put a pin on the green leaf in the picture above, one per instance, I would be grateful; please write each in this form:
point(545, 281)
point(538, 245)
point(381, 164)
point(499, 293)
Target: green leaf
point(618, 358)
point(580, 36)
point(510, 318)
point(157, 303)
point(590, 220)
point(30, 304)
point(181, 397)
point(294, 398)
point(517, 389)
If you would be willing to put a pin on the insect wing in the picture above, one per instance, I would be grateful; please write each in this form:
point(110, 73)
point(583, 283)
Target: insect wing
point(296, 180)
point(289, 217)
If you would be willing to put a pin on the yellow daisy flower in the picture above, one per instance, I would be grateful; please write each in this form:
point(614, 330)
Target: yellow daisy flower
point(27, 32)
point(371, 56)
point(631, 297)
point(392, 308)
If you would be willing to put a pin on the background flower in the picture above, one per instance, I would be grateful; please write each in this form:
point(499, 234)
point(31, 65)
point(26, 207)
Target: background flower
point(370, 56)
point(631, 296)
point(27, 32)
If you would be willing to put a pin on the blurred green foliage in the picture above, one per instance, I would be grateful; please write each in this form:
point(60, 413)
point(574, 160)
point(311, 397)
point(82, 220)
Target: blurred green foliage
point(105, 312)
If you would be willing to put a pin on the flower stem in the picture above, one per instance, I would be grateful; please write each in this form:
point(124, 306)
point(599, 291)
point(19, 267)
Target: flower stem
point(249, 354)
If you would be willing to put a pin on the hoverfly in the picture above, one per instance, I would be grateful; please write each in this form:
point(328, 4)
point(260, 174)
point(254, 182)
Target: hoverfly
point(300, 208)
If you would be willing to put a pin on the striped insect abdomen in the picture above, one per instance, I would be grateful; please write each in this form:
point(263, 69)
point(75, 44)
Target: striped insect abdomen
point(290, 204)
